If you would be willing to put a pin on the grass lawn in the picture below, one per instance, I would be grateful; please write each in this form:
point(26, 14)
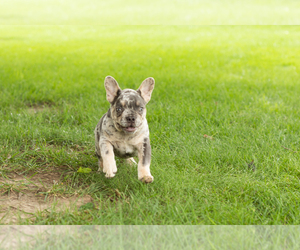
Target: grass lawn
point(223, 118)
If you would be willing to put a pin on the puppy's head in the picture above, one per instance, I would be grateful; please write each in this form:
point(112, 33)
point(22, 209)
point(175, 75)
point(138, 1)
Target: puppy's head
point(128, 106)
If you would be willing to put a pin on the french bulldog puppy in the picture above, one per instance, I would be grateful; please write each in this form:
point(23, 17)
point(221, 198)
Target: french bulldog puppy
point(123, 131)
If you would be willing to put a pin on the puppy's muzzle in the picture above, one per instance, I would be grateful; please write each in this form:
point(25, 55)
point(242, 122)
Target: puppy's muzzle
point(130, 126)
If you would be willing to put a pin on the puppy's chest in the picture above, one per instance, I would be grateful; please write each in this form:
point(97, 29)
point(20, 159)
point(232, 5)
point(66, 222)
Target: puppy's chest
point(124, 149)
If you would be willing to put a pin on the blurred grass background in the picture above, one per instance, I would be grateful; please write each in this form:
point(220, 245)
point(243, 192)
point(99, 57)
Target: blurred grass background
point(156, 12)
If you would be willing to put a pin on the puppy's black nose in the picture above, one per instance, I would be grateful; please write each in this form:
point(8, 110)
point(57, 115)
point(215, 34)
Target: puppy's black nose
point(130, 119)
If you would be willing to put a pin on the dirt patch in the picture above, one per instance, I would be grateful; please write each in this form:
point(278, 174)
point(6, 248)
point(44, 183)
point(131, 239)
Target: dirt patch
point(21, 197)
point(35, 108)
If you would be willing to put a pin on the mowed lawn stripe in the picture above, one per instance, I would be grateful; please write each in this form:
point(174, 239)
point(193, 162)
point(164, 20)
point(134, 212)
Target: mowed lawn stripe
point(223, 119)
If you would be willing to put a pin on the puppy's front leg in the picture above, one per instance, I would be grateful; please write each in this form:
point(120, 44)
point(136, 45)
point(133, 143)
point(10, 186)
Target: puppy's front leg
point(108, 156)
point(144, 154)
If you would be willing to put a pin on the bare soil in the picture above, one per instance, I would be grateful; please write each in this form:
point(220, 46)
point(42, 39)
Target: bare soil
point(21, 197)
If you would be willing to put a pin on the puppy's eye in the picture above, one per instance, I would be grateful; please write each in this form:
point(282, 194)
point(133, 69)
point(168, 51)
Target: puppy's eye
point(119, 109)
point(141, 109)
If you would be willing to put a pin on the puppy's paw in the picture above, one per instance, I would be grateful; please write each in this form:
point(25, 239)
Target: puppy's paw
point(147, 179)
point(109, 175)
point(109, 172)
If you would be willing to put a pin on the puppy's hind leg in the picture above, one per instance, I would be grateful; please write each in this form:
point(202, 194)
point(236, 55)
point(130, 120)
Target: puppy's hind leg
point(100, 161)
point(131, 162)
point(100, 165)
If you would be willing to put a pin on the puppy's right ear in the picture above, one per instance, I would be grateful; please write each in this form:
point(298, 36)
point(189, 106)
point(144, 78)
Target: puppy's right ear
point(112, 88)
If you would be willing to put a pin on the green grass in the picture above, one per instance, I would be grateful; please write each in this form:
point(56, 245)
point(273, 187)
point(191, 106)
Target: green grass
point(237, 84)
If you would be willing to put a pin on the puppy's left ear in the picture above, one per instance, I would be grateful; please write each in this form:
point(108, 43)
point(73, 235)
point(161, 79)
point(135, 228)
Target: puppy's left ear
point(146, 88)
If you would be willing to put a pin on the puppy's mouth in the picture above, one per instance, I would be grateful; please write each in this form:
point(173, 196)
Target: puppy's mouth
point(129, 129)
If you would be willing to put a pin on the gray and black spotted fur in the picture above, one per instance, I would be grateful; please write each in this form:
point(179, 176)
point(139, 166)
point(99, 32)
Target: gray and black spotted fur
point(123, 131)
